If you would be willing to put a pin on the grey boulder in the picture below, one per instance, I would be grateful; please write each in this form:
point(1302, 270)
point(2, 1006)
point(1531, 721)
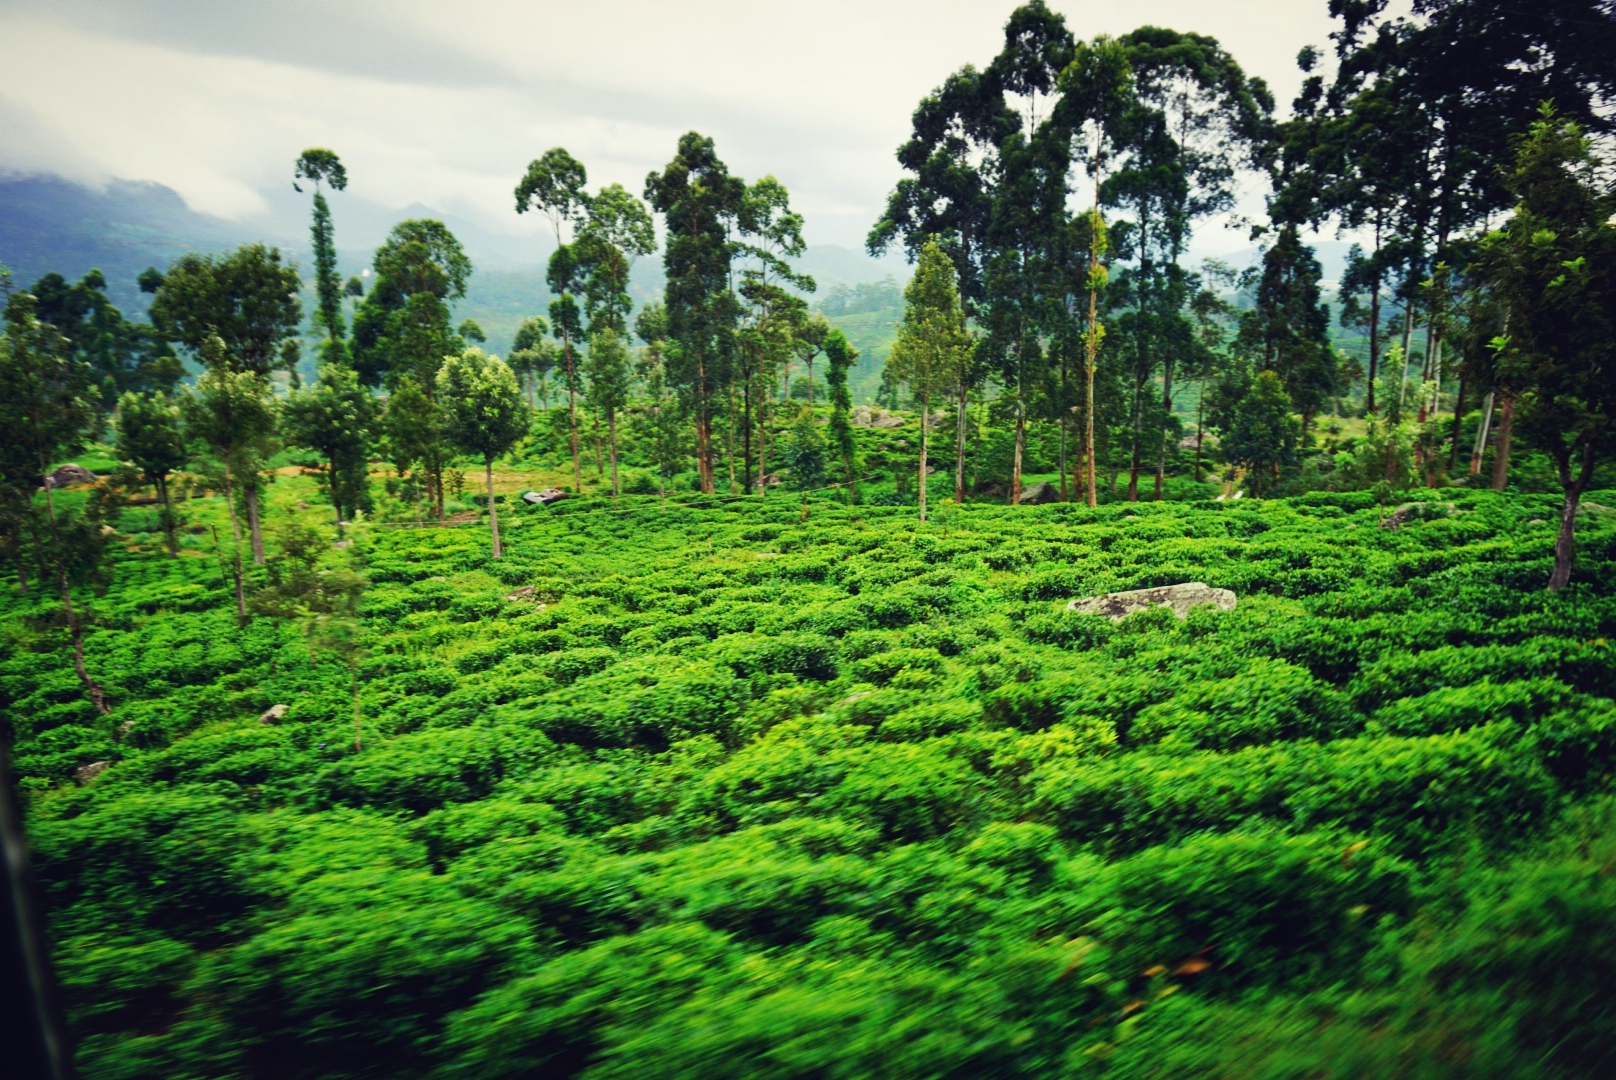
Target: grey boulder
point(1180, 598)
point(66, 475)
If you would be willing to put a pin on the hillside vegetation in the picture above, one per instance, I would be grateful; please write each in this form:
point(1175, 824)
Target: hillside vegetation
point(713, 790)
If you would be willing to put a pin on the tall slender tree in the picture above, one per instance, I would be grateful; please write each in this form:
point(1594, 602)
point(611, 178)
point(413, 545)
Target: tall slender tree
point(238, 313)
point(232, 412)
point(555, 186)
point(1553, 267)
point(933, 346)
point(321, 167)
point(1096, 93)
point(336, 418)
point(485, 413)
point(841, 356)
point(151, 438)
point(700, 203)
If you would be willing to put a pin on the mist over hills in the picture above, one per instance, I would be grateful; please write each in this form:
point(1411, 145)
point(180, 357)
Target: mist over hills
point(48, 223)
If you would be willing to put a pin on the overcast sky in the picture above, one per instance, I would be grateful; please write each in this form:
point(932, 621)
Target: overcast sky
point(445, 103)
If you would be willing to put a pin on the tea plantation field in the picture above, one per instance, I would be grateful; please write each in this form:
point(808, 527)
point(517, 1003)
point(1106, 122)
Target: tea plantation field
point(717, 792)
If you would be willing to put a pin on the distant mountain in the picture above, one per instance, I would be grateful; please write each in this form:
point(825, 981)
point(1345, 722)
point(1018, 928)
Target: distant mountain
point(47, 223)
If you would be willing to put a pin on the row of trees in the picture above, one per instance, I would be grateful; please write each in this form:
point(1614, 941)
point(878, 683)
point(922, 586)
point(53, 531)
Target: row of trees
point(1063, 181)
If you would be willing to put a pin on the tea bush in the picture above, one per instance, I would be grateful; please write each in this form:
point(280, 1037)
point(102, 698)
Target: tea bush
point(723, 791)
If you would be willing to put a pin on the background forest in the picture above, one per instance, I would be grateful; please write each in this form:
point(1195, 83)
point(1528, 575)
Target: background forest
point(684, 683)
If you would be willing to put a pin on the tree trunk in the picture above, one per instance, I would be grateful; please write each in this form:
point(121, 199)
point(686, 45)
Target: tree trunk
point(1088, 419)
point(572, 417)
point(729, 443)
point(1565, 549)
point(235, 532)
point(1481, 434)
point(611, 438)
point(493, 512)
point(166, 505)
point(1021, 445)
point(1402, 372)
point(600, 464)
point(960, 419)
point(1062, 455)
point(924, 406)
point(1374, 339)
point(1458, 423)
point(255, 530)
point(704, 451)
point(336, 506)
point(91, 687)
point(1200, 431)
point(746, 433)
point(1167, 415)
point(1506, 429)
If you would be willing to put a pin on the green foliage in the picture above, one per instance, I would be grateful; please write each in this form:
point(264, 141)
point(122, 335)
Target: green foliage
point(727, 783)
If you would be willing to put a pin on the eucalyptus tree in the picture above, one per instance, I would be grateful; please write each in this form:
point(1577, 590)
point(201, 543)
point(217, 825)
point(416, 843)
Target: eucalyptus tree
point(609, 386)
point(233, 413)
point(1287, 327)
point(1096, 93)
point(402, 332)
point(402, 327)
point(933, 346)
point(616, 232)
point(840, 357)
point(1553, 268)
point(247, 300)
point(150, 437)
point(45, 410)
point(336, 418)
point(122, 355)
point(533, 358)
point(700, 203)
point(1426, 102)
point(321, 167)
point(485, 414)
point(662, 424)
point(954, 132)
point(778, 321)
point(555, 186)
point(413, 430)
point(236, 313)
point(1195, 120)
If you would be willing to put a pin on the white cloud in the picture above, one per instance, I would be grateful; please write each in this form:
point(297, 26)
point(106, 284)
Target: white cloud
point(444, 104)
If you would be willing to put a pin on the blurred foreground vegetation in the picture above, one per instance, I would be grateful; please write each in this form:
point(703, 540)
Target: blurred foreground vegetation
point(713, 790)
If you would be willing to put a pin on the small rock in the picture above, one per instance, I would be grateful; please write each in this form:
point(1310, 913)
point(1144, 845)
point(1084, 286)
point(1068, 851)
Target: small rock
point(1040, 493)
point(1417, 511)
point(1178, 597)
point(1537, 521)
point(865, 416)
point(343, 544)
point(85, 773)
point(273, 714)
point(524, 593)
point(63, 475)
point(543, 498)
point(302, 506)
